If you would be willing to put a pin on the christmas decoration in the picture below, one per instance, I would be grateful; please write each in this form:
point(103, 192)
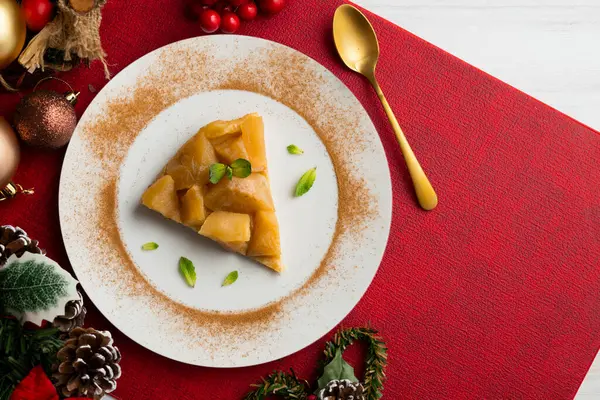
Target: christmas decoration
point(73, 35)
point(89, 364)
point(230, 22)
point(35, 288)
point(337, 381)
point(272, 6)
point(23, 349)
point(248, 11)
point(15, 241)
point(343, 389)
point(36, 385)
point(46, 118)
point(12, 34)
point(210, 20)
point(337, 370)
point(37, 13)
point(9, 152)
point(73, 316)
point(226, 14)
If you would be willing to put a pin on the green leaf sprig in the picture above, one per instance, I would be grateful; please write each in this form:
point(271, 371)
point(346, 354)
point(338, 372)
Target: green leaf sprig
point(337, 369)
point(306, 182)
point(188, 271)
point(240, 168)
point(293, 149)
point(230, 279)
point(149, 246)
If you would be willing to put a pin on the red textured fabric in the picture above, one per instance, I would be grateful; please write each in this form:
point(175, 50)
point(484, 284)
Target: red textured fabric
point(493, 295)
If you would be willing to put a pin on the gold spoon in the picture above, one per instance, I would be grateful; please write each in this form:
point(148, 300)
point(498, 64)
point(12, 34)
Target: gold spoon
point(357, 45)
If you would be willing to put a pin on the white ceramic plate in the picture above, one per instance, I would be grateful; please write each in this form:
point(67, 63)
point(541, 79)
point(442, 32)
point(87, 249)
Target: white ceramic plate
point(263, 316)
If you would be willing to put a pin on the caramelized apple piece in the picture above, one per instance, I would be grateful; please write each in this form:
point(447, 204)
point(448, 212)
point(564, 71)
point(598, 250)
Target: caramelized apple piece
point(272, 262)
point(246, 195)
point(230, 150)
point(193, 212)
point(226, 227)
point(199, 150)
point(162, 197)
point(265, 235)
point(218, 131)
point(238, 247)
point(254, 141)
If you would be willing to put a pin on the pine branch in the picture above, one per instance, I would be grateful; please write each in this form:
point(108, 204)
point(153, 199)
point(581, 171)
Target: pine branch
point(281, 384)
point(376, 356)
point(21, 350)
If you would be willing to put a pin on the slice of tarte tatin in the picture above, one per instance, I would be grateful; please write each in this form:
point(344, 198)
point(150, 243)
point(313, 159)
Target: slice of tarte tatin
point(238, 213)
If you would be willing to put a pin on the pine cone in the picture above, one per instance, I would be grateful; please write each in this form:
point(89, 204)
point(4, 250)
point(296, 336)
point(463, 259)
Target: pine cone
point(342, 390)
point(89, 364)
point(74, 315)
point(15, 241)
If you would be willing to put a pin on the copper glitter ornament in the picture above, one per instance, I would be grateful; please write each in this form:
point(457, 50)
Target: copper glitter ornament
point(46, 118)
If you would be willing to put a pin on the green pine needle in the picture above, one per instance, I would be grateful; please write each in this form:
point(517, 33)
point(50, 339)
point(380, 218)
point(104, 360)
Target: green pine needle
point(281, 384)
point(21, 350)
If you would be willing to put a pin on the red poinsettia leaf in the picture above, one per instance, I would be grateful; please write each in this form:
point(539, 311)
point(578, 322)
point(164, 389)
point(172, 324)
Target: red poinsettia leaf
point(35, 386)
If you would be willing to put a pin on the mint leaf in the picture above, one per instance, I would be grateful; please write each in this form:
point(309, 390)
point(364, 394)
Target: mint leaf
point(337, 369)
point(35, 288)
point(229, 172)
point(231, 278)
point(306, 182)
point(216, 172)
point(241, 168)
point(293, 149)
point(187, 269)
point(149, 246)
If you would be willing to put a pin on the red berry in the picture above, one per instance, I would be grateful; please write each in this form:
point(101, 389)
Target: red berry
point(272, 6)
point(208, 2)
point(221, 7)
point(230, 22)
point(193, 10)
point(210, 21)
point(37, 13)
point(311, 397)
point(247, 11)
point(237, 3)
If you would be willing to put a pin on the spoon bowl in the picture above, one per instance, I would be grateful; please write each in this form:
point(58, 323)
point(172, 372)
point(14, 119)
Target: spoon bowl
point(357, 45)
point(355, 40)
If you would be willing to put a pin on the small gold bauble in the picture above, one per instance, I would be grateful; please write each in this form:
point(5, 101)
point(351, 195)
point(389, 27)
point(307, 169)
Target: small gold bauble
point(9, 153)
point(12, 32)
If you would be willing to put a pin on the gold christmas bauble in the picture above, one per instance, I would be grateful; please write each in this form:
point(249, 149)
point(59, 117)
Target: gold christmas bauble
point(12, 32)
point(9, 153)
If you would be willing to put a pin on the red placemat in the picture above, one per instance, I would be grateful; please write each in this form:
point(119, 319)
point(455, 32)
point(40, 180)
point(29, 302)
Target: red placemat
point(492, 295)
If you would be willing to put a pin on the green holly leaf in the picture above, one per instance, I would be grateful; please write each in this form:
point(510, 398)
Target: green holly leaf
point(35, 288)
point(188, 271)
point(241, 168)
point(216, 172)
point(231, 278)
point(150, 246)
point(293, 149)
point(337, 369)
point(306, 182)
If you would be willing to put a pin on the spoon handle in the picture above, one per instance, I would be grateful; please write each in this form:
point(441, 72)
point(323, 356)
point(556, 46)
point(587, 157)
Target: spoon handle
point(425, 194)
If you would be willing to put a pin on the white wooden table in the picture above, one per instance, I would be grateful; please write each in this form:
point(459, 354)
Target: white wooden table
point(546, 48)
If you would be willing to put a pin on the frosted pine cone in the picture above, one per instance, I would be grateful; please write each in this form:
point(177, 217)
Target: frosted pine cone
point(74, 316)
point(89, 364)
point(342, 390)
point(15, 241)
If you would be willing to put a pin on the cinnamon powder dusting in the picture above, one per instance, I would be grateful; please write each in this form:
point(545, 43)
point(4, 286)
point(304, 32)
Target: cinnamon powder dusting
point(293, 81)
